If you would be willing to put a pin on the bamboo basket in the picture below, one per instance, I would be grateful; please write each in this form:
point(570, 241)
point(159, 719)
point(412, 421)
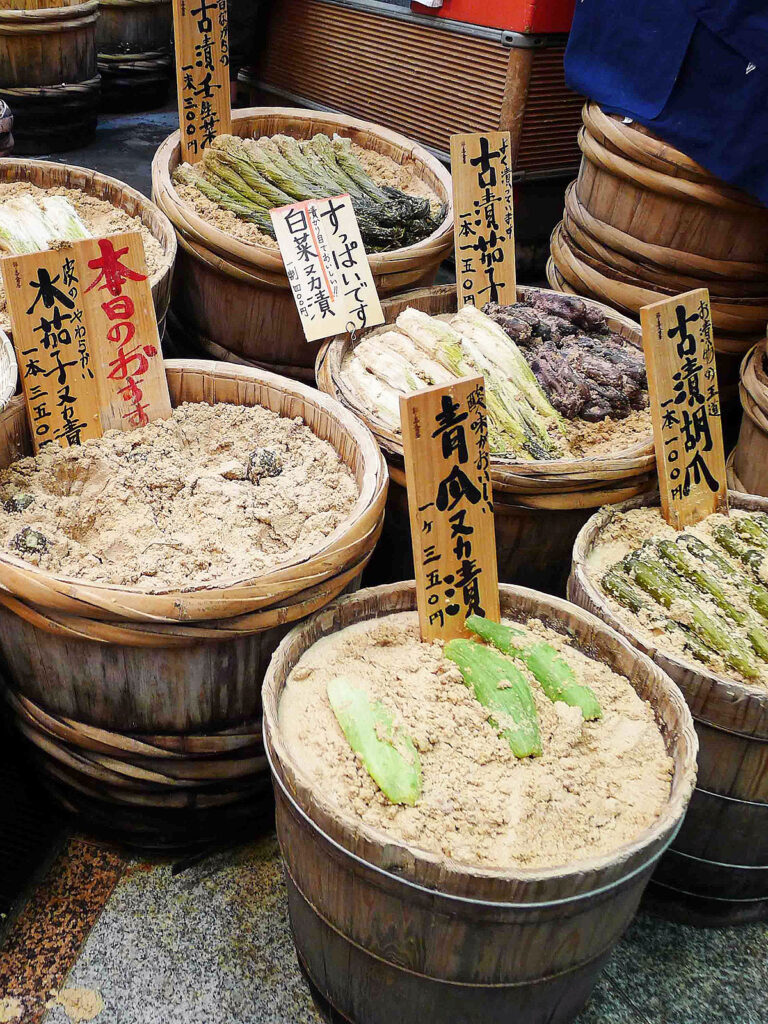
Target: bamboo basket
point(750, 457)
point(133, 38)
point(196, 381)
point(716, 871)
point(48, 73)
point(6, 129)
point(414, 953)
point(236, 294)
point(46, 174)
point(539, 507)
point(9, 371)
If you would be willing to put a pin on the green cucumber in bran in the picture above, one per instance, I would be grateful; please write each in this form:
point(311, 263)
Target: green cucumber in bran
point(499, 685)
point(387, 752)
point(549, 668)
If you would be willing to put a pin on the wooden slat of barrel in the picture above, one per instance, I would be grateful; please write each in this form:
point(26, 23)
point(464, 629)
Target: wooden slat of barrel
point(721, 864)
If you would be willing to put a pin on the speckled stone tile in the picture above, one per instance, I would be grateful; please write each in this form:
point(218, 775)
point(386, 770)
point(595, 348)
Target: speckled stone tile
point(208, 946)
point(675, 974)
point(212, 945)
point(46, 938)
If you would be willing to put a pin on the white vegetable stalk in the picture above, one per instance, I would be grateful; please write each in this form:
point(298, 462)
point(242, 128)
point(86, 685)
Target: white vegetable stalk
point(28, 227)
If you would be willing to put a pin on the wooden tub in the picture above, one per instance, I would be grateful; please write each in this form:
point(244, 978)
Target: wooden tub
point(46, 174)
point(539, 507)
point(133, 38)
point(235, 294)
point(145, 708)
point(387, 932)
point(716, 871)
point(48, 72)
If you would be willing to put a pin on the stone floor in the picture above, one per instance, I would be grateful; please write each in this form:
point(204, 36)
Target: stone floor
point(211, 945)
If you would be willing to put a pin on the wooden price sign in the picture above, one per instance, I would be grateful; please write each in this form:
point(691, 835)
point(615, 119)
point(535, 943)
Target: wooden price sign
point(447, 469)
point(685, 407)
point(202, 74)
point(53, 348)
point(86, 339)
point(484, 224)
point(122, 328)
point(327, 267)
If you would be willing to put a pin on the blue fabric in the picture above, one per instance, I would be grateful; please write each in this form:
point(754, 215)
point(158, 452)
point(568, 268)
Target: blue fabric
point(693, 71)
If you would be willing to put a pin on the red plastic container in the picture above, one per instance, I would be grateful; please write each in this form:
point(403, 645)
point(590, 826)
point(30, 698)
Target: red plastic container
point(527, 16)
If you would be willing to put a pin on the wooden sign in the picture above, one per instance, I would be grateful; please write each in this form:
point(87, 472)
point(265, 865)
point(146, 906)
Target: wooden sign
point(327, 267)
point(122, 328)
point(202, 74)
point(50, 335)
point(685, 407)
point(484, 225)
point(447, 469)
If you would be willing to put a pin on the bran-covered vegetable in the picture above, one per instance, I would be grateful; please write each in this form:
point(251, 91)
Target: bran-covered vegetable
point(250, 177)
point(700, 592)
point(594, 786)
point(530, 414)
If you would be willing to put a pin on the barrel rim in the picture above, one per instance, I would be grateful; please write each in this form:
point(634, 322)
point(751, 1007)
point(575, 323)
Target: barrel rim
point(167, 159)
point(678, 730)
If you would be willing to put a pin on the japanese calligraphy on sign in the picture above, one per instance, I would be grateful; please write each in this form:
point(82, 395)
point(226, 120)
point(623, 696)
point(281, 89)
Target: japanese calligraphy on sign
point(484, 226)
point(50, 334)
point(327, 267)
point(447, 468)
point(685, 406)
point(202, 74)
point(122, 328)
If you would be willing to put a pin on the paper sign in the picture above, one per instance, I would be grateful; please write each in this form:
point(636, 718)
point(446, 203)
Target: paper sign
point(447, 469)
point(45, 300)
point(327, 267)
point(122, 329)
point(202, 74)
point(685, 407)
point(484, 225)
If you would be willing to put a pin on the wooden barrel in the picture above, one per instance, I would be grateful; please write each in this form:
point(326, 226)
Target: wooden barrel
point(133, 38)
point(750, 457)
point(126, 707)
point(539, 507)
point(46, 174)
point(6, 129)
point(716, 871)
point(236, 294)
point(48, 73)
point(439, 940)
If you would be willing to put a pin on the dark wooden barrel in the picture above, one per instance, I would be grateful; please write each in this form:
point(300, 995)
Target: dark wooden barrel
point(133, 39)
point(48, 73)
point(716, 871)
point(390, 933)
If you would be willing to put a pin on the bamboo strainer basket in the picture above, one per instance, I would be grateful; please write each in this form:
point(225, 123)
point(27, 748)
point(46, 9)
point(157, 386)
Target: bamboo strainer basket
point(9, 372)
point(233, 604)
